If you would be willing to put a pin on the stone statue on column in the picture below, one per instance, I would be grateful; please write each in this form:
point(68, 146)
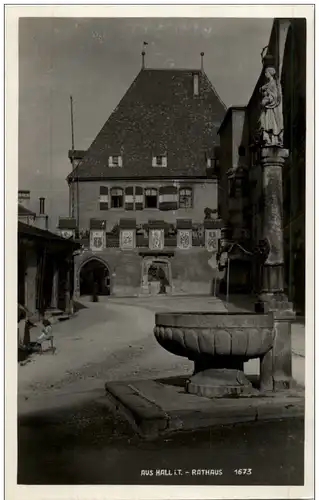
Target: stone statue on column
point(275, 367)
point(271, 116)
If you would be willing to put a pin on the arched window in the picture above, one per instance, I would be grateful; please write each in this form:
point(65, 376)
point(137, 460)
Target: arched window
point(185, 198)
point(151, 198)
point(117, 198)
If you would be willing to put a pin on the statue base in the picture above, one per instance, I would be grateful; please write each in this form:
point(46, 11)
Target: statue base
point(276, 365)
point(272, 301)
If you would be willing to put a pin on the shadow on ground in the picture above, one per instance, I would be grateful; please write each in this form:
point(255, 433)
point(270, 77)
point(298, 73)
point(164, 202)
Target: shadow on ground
point(86, 444)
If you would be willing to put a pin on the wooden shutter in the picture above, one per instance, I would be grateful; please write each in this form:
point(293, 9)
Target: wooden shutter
point(129, 198)
point(139, 198)
point(168, 198)
point(104, 198)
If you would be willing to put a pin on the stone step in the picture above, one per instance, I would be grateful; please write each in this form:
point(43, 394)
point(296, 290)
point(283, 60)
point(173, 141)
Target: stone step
point(64, 317)
point(156, 408)
point(53, 312)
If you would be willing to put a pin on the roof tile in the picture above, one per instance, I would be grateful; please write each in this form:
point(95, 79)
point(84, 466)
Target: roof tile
point(158, 113)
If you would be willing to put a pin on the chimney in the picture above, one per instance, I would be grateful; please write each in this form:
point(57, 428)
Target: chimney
point(42, 208)
point(24, 198)
point(202, 61)
point(195, 83)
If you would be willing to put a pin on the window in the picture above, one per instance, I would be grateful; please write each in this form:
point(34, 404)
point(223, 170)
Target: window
point(150, 198)
point(115, 161)
point(213, 163)
point(185, 198)
point(159, 161)
point(116, 198)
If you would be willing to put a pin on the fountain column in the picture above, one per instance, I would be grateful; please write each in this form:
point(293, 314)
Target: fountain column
point(272, 160)
point(275, 366)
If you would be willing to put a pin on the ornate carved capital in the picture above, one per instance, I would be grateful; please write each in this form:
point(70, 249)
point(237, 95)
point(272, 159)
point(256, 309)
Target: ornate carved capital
point(273, 156)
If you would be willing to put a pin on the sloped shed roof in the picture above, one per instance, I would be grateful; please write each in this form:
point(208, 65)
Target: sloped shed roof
point(24, 211)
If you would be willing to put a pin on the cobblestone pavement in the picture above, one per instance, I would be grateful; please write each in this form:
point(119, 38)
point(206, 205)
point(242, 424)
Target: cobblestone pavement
point(65, 427)
point(113, 340)
point(104, 342)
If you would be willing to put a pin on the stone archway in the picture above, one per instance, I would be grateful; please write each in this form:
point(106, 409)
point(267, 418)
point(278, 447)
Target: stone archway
point(94, 273)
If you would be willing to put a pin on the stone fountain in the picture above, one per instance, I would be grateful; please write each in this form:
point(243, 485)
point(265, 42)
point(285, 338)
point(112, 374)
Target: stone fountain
point(220, 343)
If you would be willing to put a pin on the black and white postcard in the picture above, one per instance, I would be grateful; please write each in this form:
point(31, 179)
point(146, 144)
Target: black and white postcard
point(159, 251)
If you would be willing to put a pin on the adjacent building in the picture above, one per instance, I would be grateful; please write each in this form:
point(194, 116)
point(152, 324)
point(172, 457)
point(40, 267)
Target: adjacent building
point(144, 196)
point(45, 261)
point(240, 193)
point(27, 215)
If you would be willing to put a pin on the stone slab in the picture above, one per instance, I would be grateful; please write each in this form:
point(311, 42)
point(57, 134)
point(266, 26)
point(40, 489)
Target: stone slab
point(156, 408)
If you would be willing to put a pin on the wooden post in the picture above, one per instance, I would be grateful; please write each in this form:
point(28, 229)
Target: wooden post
point(55, 287)
point(228, 272)
point(68, 298)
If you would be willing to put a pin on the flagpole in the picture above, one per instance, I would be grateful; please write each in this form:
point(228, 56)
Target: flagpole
point(72, 163)
point(143, 54)
point(72, 123)
point(71, 209)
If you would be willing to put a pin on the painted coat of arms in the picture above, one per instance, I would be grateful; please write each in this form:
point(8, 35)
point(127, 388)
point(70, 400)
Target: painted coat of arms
point(97, 240)
point(127, 239)
point(184, 239)
point(156, 241)
point(212, 237)
point(67, 233)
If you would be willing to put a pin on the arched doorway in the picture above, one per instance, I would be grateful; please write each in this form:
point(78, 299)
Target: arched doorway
point(95, 272)
point(158, 272)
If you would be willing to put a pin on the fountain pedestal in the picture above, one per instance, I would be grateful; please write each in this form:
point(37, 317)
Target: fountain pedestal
point(216, 383)
point(276, 370)
point(272, 160)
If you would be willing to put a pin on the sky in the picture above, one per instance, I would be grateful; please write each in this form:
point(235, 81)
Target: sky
point(95, 61)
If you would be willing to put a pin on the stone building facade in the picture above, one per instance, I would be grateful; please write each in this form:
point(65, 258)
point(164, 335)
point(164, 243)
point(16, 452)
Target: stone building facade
point(143, 197)
point(240, 189)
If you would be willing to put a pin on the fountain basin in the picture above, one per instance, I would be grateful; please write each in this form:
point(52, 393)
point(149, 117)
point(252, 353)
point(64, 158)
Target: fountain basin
point(214, 335)
point(219, 344)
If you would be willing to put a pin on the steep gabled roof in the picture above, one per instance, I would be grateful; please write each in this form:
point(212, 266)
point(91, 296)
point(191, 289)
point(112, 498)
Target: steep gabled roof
point(24, 211)
point(159, 114)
